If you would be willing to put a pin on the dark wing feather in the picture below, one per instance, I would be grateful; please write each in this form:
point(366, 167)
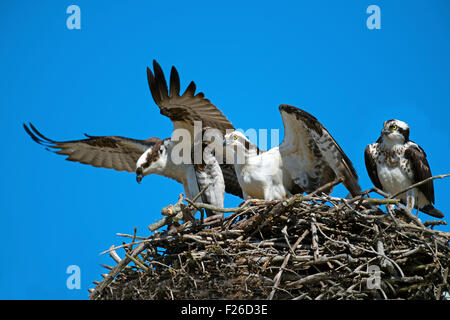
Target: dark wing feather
point(332, 154)
point(184, 109)
point(421, 169)
point(231, 182)
point(371, 167)
point(112, 152)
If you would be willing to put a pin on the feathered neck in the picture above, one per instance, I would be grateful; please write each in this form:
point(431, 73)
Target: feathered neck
point(391, 145)
point(170, 169)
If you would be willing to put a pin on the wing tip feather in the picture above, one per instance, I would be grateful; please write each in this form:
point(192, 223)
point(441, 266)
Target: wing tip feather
point(174, 82)
point(190, 90)
point(37, 136)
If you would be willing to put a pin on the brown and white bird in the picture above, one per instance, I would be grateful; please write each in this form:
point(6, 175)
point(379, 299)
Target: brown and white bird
point(308, 158)
point(154, 155)
point(394, 163)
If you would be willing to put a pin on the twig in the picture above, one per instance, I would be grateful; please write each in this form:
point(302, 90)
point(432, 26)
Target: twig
point(113, 254)
point(434, 223)
point(419, 184)
point(314, 239)
point(201, 192)
point(326, 186)
point(251, 255)
point(381, 201)
point(172, 213)
point(130, 236)
point(277, 278)
point(112, 274)
point(214, 208)
point(137, 262)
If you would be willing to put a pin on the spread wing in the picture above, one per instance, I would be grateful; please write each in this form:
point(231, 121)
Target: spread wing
point(421, 169)
point(184, 109)
point(313, 157)
point(371, 167)
point(110, 152)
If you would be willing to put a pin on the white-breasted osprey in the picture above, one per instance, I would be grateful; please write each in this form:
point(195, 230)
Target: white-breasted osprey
point(307, 159)
point(394, 163)
point(154, 155)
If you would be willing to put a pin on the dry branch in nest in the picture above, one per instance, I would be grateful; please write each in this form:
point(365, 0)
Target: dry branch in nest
point(307, 247)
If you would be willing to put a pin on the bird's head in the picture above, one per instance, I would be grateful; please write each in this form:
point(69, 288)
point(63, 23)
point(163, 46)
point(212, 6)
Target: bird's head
point(240, 145)
point(236, 139)
point(153, 160)
point(395, 131)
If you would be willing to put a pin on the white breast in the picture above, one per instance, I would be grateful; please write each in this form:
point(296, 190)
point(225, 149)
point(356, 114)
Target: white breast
point(261, 177)
point(393, 179)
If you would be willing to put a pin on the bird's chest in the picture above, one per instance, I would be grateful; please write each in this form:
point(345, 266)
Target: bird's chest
point(252, 187)
point(392, 159)
point(393, 179)
point(258, 175)
point(251, 178)
point(394, 171)
point(388, 159)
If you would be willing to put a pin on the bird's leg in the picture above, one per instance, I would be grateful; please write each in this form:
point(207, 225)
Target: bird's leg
point(410, 200)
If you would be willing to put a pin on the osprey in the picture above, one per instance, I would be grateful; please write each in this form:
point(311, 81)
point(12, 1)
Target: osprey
point(307, 159)
point(394, 163)
point(154, 155)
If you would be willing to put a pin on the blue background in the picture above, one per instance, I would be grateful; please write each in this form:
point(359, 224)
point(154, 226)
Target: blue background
point(247, 57)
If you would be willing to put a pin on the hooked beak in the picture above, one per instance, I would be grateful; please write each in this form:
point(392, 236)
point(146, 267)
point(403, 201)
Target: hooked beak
point(139, 175)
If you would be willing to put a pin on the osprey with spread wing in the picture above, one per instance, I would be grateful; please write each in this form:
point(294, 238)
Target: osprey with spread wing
point(154, 155)
point(308, 158)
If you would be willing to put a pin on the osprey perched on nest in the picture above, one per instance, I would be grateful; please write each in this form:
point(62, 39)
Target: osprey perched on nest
point(394, 163)
point(307, 159)
point(154, 155)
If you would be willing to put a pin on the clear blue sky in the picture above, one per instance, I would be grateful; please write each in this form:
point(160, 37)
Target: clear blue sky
point(248, 57)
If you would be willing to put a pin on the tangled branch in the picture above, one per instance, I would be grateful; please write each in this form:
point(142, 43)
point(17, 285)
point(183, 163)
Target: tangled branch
point(306, 247)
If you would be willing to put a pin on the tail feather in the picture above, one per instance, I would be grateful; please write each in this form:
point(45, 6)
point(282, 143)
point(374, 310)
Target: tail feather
point(432, 211)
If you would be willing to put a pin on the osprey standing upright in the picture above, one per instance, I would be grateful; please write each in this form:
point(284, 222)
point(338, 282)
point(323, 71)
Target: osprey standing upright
point(394, 163)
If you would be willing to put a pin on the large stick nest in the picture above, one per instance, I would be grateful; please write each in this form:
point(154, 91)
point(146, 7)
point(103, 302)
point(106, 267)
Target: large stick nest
point(306, 247)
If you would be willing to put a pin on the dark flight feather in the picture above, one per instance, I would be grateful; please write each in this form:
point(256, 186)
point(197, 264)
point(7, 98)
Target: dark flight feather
point(187, 108)
point(371, 167)
point(421, 170)
point(111, 152)
point(343, 166)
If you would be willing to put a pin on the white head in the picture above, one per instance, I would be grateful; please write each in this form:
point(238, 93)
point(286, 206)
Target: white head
point(153, 160)
point(395, 131)
point(240, 145)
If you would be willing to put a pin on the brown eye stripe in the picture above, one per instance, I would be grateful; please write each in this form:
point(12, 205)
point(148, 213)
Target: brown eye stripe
point(154, 154)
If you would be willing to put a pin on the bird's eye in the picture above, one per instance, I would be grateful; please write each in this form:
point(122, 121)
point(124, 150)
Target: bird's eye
point(235, 137)
point(394, 127)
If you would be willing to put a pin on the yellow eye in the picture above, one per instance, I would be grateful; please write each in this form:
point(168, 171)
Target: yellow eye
point(394, 127)
point(235, 137)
